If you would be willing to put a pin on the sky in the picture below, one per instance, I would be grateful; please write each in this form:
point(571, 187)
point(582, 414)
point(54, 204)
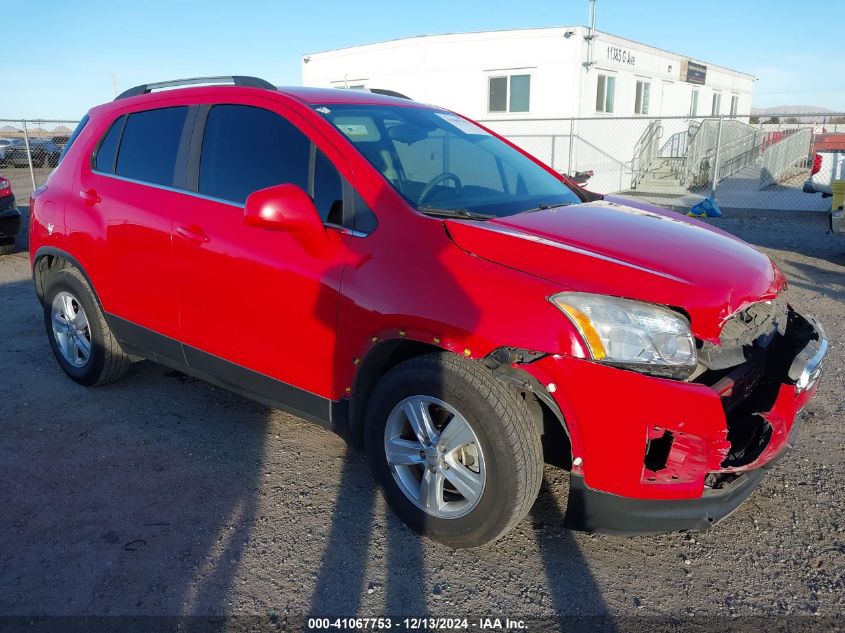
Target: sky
point(84, 44)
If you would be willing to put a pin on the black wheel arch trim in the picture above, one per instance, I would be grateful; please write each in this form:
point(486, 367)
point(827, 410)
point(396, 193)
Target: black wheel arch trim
point(501, 362)
point(52, 251)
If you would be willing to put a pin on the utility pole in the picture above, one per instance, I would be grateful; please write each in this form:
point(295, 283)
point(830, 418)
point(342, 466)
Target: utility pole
point(591, 35)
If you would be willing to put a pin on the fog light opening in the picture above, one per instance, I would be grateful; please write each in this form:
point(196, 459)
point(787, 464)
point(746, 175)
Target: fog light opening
point(657, 450)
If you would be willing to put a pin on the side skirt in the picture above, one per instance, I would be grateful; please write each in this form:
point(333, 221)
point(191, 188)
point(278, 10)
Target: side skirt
point(143, 342)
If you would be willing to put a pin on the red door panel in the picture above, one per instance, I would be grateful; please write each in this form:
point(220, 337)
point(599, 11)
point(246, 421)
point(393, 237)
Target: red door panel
point(137, 284)
point(256, 297)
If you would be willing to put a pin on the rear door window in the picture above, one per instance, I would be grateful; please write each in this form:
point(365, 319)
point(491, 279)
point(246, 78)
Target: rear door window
point(150, 144)
point(246, 148)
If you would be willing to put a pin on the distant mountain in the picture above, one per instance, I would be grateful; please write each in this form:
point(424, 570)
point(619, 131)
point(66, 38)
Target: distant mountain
point(791, 109)
point(794, 109)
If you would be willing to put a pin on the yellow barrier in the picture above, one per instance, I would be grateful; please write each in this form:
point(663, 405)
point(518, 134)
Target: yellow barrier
point(838, 188)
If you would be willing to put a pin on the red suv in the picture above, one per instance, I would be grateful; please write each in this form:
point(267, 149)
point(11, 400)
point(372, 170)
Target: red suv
point(400, 273)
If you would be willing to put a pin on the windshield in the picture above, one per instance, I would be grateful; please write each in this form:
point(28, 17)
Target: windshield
point(441, 162)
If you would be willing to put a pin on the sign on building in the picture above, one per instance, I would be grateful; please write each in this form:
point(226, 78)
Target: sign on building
point(693, 72)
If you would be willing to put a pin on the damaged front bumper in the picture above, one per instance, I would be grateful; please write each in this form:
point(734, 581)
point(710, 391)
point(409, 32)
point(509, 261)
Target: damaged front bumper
point(654, 455)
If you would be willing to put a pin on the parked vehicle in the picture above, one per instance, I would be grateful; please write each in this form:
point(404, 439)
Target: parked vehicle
point(827, 166)
point(10, 217)
point(4, 142)
point(60, 141)
point(404, 275)
point(44, 153)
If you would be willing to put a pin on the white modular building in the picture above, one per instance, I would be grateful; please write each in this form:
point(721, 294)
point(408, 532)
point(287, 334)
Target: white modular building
point(541, 73)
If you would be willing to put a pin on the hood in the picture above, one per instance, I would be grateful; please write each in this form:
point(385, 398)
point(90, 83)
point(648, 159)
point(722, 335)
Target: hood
point(638, 252)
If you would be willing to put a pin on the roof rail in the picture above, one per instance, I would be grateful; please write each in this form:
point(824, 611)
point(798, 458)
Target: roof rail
point(237, 80)
point(389, 93)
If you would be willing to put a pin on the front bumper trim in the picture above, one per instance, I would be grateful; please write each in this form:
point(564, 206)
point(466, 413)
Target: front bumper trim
point(595, 511)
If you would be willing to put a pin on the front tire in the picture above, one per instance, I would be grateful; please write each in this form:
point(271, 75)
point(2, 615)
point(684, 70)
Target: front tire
point(456, 452)
point(79, 334)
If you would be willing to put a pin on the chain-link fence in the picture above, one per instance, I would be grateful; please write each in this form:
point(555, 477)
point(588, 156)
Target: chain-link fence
point(678, 161)
point(671, 161)
point(30, 150)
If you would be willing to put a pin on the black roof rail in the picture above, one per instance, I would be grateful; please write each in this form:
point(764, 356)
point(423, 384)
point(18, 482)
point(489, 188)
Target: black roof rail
point(237, 80)
point(389, 93)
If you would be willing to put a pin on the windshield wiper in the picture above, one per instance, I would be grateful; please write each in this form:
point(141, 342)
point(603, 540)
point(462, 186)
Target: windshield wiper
point(464, 214)
point(543, 206)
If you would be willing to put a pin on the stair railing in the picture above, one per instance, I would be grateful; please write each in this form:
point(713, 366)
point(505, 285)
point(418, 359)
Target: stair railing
point(645, 150)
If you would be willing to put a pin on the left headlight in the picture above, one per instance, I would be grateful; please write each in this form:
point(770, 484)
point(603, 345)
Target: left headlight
point(631, 334)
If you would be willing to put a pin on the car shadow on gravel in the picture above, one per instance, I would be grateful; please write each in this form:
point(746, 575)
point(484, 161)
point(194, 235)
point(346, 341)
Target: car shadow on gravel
point(134, 498)
point(569, 579)
point(341, 585)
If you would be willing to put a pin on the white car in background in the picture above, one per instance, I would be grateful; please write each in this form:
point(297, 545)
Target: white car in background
point(828, 165)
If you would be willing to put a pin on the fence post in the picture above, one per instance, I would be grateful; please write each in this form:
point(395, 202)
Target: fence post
point(716, 157)
point(571, 138)
point(554, 138)
point(28, 153)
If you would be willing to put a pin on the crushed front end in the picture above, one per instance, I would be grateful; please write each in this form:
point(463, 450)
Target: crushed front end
point(654, 454)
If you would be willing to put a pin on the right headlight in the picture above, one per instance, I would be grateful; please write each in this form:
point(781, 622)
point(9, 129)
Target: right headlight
point(631, 334)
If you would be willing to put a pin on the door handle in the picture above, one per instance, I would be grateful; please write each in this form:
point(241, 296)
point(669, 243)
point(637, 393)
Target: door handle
point(192, 234)
point(90, 196)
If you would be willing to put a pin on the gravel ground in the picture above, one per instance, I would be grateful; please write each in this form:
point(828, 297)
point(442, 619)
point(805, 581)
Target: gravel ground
point(162, 495)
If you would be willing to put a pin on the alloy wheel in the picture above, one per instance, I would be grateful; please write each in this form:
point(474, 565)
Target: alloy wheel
point(71, 329)
point(435, 456)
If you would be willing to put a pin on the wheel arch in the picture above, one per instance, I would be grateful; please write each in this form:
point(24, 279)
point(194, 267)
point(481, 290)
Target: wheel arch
point(389, 353)
point(49, 259)
point(506, 364)
point(379, 360)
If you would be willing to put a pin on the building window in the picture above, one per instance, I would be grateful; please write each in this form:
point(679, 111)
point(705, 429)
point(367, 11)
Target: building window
point(509, 94)
point(693, 104)
point(734, 104)
point(641, 99)
point(716, 108)
point(520, 93)
point(605, 91)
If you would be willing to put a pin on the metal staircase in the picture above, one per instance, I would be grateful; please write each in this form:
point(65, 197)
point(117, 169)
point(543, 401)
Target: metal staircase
point(692, 159)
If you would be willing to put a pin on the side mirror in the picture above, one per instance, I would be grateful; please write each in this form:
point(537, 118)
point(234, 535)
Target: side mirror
point(286, 208)
point(282, 208)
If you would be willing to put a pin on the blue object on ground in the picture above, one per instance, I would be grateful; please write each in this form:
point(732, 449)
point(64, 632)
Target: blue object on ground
point(707, 208)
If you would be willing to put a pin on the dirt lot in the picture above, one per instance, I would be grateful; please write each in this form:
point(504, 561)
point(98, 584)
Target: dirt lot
point(163, 495)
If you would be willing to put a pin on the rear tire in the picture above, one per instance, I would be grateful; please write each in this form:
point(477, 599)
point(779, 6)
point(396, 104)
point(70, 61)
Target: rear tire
point(499, 465)
point(79, 334)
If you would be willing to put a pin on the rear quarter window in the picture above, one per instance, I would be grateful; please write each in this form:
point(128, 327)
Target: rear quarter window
point(150, 144)
point(106, 155)
point(79, 127)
